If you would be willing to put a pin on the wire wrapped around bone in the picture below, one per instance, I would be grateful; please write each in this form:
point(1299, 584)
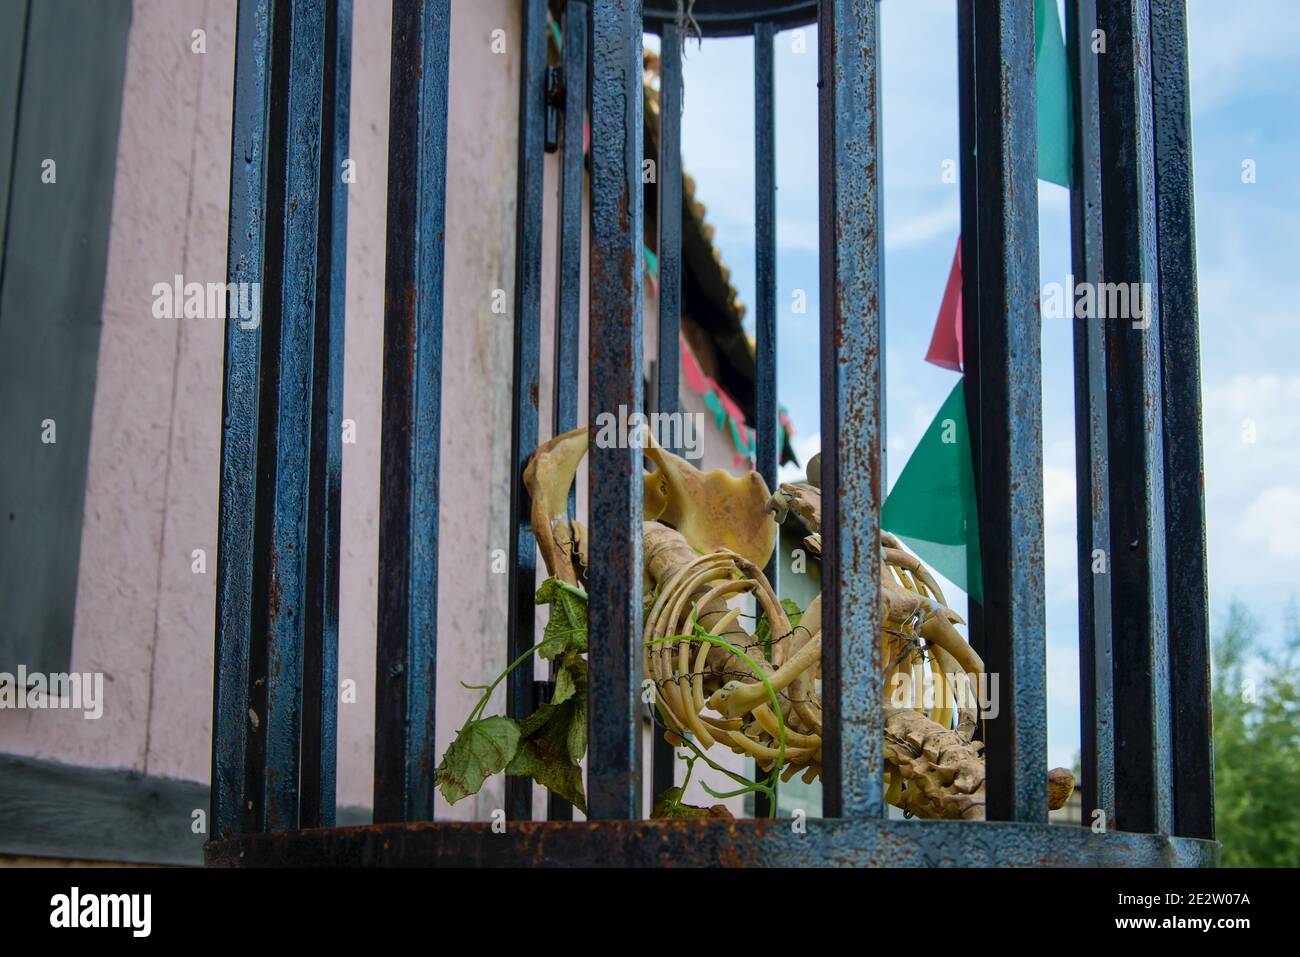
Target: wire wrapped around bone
point(707, 537)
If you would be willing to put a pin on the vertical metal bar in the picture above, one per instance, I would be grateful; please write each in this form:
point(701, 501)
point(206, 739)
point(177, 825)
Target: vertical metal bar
point(1096, 694)
point(520, 700)
point(1189, 642)
point(1143, 771)
point(614, 609)
point(284, 452)
point(668, 378)
point(573, 171)
point(1011, 458)
point(851, 361)
point(406, 655)
point(568, 295)
point(970, 267)
point(239, 417)
point(321, 652)
point(766, 427)
point(670, 219)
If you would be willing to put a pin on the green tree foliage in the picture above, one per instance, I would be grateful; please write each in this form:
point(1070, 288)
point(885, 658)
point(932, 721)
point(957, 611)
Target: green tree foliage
point(1257, 743)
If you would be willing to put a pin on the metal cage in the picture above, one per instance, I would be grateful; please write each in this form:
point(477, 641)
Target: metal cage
point(1143, 623)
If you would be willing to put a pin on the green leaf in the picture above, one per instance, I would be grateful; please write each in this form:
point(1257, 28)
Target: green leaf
point(567, 628)
point(570, 677)
point(557, 776)
point(669, 807)
point(576, 739)
point(482, 749)
point(553, 739)
point(564, 686)
point(763, 628)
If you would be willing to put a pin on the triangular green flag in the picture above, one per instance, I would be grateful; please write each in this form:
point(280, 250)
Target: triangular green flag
point(932, 505)
point(1055, 102)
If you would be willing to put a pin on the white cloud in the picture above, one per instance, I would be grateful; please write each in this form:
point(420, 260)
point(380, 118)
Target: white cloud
point(1273, 518)
point(1252, 500)
point(1058, 496)
point(945, 221)
point(1231, 44)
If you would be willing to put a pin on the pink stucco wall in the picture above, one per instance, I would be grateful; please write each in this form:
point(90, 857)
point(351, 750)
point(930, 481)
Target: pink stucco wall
point(143, 616)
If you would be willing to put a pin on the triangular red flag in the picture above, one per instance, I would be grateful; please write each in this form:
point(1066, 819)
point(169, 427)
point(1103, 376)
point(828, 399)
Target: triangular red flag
point(696, 380)
point(945, 343)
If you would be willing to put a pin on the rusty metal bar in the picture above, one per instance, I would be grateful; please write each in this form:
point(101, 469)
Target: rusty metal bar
point(970, 266)
point(1188, 597)
point(520, 701)
point(1092, 499)
point(568, 285)
point(239, 417)
point(851, 363)
point(284, 454)
point(669, 183)
point(1011, 485)
point(406, 655)
point(614, 375)
point(573, 172)
point(321, 625)
point(766, 426)
point(668, 367)
point(1143, 760)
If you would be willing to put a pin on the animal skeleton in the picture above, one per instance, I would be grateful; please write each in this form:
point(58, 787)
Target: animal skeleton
point(706, 538)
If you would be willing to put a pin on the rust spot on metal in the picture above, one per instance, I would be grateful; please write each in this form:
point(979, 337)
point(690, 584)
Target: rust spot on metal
point(276, 590)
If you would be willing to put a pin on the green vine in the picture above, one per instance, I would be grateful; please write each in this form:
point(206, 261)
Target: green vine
point(546, 746)
point(549, 744)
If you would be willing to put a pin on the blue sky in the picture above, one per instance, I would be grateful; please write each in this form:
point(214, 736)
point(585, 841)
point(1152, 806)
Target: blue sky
point(1245, 97)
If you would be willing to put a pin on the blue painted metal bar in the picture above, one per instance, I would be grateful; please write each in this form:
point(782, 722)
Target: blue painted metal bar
point(1011, 510)
point(406, 656)
point(321, 653)
point(573, 172)
point(766, 414)
point(568, 286)
point(1096, 684)
point(851, 363)
point(284, 454)
point(615, 377)
point(970, 273)
point(968, 138)
point(1143, 771)
point(239, 417)
point(671, 101)
point(1188, 598)
point(668, 368)
point(767, 427)
point(520, 700)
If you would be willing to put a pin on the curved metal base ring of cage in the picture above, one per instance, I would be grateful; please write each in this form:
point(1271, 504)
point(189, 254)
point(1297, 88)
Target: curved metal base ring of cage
point(711, 843)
